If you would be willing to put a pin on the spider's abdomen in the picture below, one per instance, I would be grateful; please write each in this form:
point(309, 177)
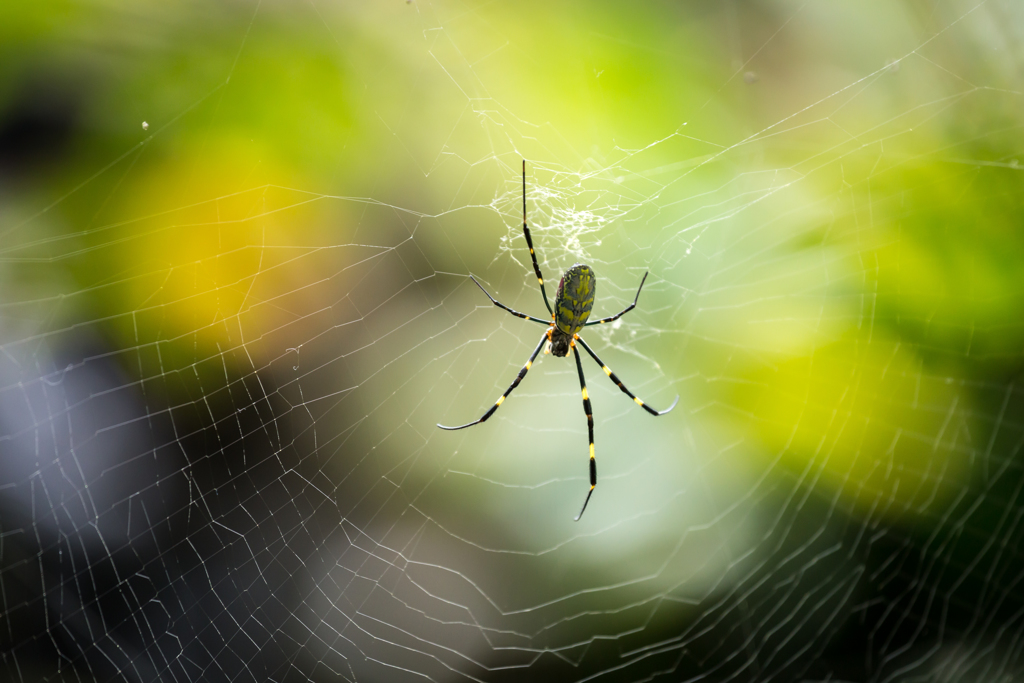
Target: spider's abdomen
point(575, 299)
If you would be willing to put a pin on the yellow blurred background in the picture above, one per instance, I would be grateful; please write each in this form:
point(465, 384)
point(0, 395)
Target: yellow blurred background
point(236, 247)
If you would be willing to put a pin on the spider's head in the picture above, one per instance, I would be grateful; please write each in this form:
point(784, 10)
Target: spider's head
point(560, 345)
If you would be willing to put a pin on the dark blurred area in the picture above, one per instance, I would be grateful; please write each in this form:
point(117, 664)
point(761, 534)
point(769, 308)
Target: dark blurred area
point(235, 241)
point(39, 123)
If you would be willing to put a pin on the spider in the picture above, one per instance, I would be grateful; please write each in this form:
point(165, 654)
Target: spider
point(573, 303)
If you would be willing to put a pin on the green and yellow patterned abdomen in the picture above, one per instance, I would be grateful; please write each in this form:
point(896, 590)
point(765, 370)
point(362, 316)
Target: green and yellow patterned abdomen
point(575, 299)
point(573, 303)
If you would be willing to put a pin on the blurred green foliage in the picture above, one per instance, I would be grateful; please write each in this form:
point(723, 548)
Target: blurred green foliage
point(829, 200)
point(905, 177)
point(902, 180)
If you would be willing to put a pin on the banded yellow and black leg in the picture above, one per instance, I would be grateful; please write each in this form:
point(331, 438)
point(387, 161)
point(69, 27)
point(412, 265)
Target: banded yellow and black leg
point(510, 310)
point(624, 311)
point(611, 375)
point(590, 430)
point(529, 243)
point(515, 383)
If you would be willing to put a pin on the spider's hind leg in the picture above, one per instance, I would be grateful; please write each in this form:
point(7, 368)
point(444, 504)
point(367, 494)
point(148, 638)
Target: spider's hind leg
point(503, 306)
point(529, 243)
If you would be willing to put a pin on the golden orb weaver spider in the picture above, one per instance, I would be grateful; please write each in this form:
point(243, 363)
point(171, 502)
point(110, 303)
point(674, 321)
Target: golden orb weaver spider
point(573, 303)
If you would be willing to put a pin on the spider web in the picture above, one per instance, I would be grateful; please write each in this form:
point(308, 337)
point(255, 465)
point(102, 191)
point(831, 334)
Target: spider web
point(228, 334)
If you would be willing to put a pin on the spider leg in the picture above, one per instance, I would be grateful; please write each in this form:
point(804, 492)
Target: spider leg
point(590, 429)
point(621, 313)
point(611, 375)
point(513, 312)
point(529, 243)
point(515, 383)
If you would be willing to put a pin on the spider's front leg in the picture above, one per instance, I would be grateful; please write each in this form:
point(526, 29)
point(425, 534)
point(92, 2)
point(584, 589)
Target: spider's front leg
point(627, 392)
point(590, 429)
point(515, 383)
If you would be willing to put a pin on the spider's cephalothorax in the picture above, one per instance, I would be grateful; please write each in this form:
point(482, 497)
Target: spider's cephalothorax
point(573, 302)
